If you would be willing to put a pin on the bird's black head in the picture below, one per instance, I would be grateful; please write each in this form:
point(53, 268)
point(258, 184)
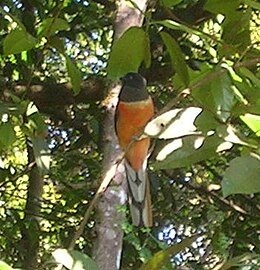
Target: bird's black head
point(133, 88)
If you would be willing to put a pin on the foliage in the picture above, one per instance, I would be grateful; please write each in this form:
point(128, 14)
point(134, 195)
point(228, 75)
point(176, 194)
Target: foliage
point(201, 59)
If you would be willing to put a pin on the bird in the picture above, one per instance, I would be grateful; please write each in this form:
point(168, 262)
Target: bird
point(135, 108)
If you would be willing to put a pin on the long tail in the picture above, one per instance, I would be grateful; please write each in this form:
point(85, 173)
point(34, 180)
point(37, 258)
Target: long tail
point(139, 196)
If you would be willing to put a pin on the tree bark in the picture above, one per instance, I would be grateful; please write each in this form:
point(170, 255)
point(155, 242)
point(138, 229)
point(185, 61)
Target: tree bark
point(108, 246)
point(31, 229)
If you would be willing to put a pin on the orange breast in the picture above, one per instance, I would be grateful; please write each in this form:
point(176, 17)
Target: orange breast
point(131, 119)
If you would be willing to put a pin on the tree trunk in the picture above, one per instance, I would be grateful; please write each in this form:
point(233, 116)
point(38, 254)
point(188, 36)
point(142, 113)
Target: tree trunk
point(31, 230)
point(108, 246)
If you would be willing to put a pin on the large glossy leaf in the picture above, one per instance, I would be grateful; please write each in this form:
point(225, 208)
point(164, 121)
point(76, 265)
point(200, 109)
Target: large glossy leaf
point(242, 175)
point(177, 57)
point(161, 258)
point(217, 96)
point(128, 52)
point(18, 41)
point(74, 260)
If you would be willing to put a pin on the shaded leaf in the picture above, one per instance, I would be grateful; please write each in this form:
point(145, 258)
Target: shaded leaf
point(128, 52)
point(57, 43)
point(242, 175)
point(74, 74)
point(236, 31)
point(237, 261)
point(18, 41)
point(171, 3)
point(74, 260)
point(7, 135)
point(252, 4)
point(161, 258)
point(173, 124)
point(51, 26)
point(177, 57)
point(217, 96)
point(216, 6)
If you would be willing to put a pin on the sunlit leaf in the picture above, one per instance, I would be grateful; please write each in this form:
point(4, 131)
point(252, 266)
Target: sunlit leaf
point(18, 41)
point(242, 175)
point(74, 74)
point(189, 150)
point(74, 260)
point(161, 258)
point(230, 134)
point(177, 57)
point(5, 266)
point(51, 26)
point(252, 121)
point(128, 52)
point(171, 24)
point(173, 124)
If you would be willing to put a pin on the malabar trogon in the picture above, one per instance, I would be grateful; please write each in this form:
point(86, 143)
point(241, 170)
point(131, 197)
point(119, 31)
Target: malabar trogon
point(135, 108)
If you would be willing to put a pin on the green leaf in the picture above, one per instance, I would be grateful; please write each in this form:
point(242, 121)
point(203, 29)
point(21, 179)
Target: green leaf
point(242, 175)
point(171, 24)
point(51, 26)
point(74, 74)
point(74, 260)
point(171, 3)
point(161, 258)
point(216, 6)
point(57, 43)
point(5, 266)
point(8, 136)
point(252, 4)
point(217, 96)
point(177, 57)
point(236, 31)
point(186, 151)
point(18, 41)
point(237, 261)
point(252, 121)
point(128, 52)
